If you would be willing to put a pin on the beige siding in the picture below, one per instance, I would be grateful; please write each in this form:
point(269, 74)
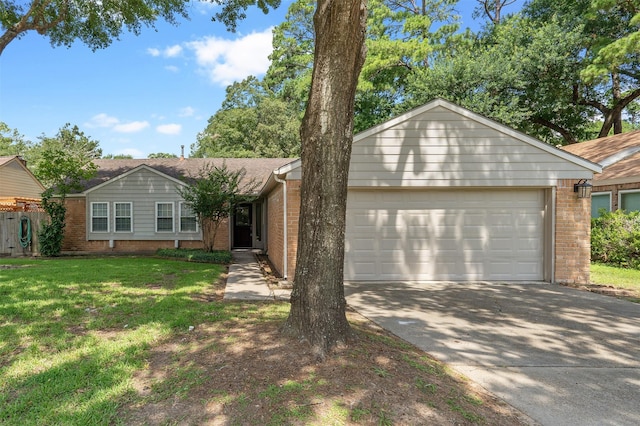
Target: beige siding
point(15, 181)
point(441, 148)
point(143, 189)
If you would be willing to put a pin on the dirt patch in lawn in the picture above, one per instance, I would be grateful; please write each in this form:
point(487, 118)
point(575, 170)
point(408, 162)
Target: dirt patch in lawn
point(243, 371)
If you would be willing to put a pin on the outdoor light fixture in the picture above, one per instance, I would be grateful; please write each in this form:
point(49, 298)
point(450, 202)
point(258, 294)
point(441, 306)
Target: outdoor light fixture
point(583, 188)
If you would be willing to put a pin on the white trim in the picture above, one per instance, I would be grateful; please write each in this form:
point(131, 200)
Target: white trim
point(116, 217)
point(624, 192)
point(134, 170)
point(180, 204)
point(173, 216)
point(91, 217)
point(609, 193)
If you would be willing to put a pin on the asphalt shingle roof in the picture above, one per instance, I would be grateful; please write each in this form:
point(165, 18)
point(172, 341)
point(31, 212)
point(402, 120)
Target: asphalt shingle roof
point(186, 168)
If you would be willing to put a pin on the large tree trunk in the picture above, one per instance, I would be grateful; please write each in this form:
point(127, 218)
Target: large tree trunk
point(317, 301)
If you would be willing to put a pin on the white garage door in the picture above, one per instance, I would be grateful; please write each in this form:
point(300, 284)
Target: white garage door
point(457, 235)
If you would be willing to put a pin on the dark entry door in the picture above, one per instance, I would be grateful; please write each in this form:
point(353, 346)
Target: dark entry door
point(242, 226)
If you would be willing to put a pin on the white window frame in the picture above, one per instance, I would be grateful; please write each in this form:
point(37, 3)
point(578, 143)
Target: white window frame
point(609, 193)
point(93, 203)
point(173, 216)
point(623, 192)
point(180, 216)
point(116, 217)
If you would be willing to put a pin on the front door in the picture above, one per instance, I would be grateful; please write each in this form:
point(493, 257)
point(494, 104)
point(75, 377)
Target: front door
point(242, 236)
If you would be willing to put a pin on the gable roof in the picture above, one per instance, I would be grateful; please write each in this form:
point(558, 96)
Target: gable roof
point(415, 123)
point(619, 156)
point(457, 109)
point(5, 161)
point(181, 169)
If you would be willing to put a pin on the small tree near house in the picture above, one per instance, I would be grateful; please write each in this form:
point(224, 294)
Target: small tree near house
point(212, 196)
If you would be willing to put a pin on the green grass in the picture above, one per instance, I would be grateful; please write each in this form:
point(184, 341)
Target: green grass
point(74, 331)
point(615, 276)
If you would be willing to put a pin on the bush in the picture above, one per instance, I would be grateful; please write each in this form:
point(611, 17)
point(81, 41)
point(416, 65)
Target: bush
point(615, 239)
point(196, 255)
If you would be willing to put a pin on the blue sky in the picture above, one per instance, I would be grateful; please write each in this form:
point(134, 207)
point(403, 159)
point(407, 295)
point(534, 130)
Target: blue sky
point(143, 94)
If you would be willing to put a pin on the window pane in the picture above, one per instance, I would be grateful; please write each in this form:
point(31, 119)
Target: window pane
point(188, 224)
point(99, 217)
point(99, 224)
point(123, 209)
point(600, 201)
point(99, 209)
point(164, 219)
point(630, 201)
point(165, 224)
point(123, 224)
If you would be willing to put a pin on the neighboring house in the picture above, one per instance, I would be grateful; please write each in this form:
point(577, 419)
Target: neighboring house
point(135, 206)
point(438, 193)
point(618, 187)
point(20, 190)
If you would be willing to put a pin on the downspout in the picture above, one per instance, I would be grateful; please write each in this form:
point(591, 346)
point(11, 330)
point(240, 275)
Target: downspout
point(284, 216)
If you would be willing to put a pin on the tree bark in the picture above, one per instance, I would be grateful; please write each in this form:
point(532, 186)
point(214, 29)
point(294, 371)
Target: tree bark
point(318, 304)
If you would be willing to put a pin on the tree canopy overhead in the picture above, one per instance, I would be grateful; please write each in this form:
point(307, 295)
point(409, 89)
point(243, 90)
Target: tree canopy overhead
point(94, 23)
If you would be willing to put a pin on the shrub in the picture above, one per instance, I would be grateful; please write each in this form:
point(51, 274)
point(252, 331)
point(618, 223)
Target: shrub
point(196, 255)
point(615, 239)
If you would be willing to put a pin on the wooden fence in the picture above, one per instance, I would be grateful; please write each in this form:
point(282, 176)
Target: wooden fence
point(19, 233)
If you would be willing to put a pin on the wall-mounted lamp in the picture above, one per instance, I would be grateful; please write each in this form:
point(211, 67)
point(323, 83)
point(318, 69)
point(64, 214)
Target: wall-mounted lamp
point(583, 188)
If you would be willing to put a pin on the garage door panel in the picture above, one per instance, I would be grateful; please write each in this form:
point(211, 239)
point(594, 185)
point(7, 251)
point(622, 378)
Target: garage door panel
point(445, 235)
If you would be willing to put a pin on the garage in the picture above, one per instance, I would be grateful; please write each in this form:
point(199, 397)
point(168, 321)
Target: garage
point(441, 193)
point(457, 235)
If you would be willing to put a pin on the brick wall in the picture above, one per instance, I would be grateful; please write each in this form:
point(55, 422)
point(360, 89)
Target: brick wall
point(275, 219)
point(573, 235)
point(275, 231)
point(75, 238)
point(293, 207)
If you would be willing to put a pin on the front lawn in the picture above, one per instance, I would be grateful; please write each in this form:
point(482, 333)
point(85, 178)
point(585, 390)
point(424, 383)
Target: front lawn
point(615, 276)
point(148, 341)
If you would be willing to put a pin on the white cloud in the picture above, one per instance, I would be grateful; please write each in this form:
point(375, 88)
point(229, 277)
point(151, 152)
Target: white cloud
point(225, 61)
point(131, 127)
point(172, 68)
point(187, 112)
point(172, 51)
point(102, 120)
point(167, 52)
point(169, 129)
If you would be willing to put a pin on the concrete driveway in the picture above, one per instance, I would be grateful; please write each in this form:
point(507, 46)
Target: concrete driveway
point(562, 356)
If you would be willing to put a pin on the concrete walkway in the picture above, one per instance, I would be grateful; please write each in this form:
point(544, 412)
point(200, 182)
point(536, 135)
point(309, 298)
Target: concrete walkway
point(246, 282)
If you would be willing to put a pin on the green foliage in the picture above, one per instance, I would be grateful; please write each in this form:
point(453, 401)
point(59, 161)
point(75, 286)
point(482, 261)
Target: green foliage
point(12, 142)
point(194, 255)
point(162, 155)
point(118, 157)
point(213, 194)
point(95, 24)
point(615, 239)
point(51, 234)
point(64, 161)
point(253, 122)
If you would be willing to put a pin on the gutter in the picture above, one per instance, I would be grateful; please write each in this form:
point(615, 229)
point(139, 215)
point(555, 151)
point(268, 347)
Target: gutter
point(285, 226)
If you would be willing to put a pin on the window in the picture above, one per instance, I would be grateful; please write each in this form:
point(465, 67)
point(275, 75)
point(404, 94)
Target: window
point(599, 201)
point(99, 217)
point(629, 200)
point(164, 217)
point(188, 221)
point(123, 217)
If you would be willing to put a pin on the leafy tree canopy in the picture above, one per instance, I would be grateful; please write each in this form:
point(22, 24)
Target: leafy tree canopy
point(65, 160)
point(12, 142)
point(95, 23)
